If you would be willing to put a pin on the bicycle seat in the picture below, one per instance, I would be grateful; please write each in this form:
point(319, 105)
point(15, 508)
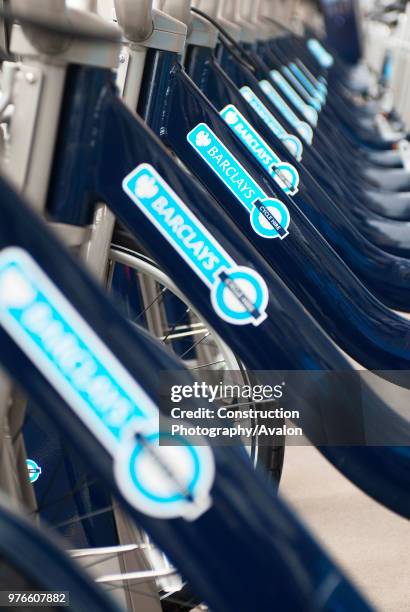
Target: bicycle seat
point(391, 205)
point(388, 159)
point(389, 179)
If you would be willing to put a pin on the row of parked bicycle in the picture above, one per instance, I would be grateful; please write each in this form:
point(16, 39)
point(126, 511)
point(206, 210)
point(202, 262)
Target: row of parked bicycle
point(199, 188)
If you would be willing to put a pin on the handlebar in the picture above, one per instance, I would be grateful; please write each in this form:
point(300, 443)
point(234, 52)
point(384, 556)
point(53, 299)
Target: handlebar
point(40, 8)
point(280, 10)
point(135, 18)
point(216, 10)
point(250, 10)
point(179, 9)
point(243, 14)
point(210, 7)
point(230, 10)
point(62, 21)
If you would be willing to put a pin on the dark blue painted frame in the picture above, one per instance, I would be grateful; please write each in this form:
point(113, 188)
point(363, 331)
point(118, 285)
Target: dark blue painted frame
point(100, 141)
point(122, 143)
point(262, 543)
point(39, 559)
point(358, 322)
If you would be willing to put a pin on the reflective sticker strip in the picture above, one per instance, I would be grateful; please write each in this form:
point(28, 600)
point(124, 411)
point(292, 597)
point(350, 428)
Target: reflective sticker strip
point(67, 351)
point(92, 381)
point(283, 173)
point(239, 295)
point(307, 111)
point(34, 470)
point(291, 142)
point(310, 88)
point(303, 128)
point(318, 51)
point(319, 82)
point(313, 101)
point(269, 217)
point(177, 223)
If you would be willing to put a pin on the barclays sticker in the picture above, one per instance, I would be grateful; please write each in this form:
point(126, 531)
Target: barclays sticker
point(308, 112)
point(319, 81)
point(324, 58)
point(239, 295)
point(285, 175)
point(160, 481)
point(313, 101)
point(303, 128)
point(269, 217)
point(317, 93)
point(34, 470)
point(291, 142)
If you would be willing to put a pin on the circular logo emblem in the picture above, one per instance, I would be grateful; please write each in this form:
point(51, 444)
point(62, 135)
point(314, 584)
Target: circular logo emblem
point(305, 131)
point(240, 296)
point(310, 114)
point(164, 481)
point(34, 470)
point(316, 103)
point(293, 145)
point(270, 218)
point(286, 176)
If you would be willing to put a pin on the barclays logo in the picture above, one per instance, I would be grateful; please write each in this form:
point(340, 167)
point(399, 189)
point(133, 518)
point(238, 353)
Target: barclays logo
point(34, 470)
point(238, 294)
point(101, 394)
point(284, 174)
point(290, 141)
point(269, 217)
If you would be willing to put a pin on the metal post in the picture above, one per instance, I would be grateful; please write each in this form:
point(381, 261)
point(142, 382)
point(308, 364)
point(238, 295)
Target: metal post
point(179, 9)
point(135, 18)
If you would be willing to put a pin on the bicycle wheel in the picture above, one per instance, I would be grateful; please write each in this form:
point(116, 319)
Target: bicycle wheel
point(70, 499)
point(155, 288)
point(31, 561)
point(184, 332)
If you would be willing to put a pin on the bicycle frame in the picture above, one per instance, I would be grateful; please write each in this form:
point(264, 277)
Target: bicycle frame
point(332, 223)
point(103, 127)
point(264, 519)
point(40, 558)
point(120, 131)
point(306, 250)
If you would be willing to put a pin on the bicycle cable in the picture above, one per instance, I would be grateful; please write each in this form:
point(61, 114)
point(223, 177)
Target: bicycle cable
point(249, 62)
